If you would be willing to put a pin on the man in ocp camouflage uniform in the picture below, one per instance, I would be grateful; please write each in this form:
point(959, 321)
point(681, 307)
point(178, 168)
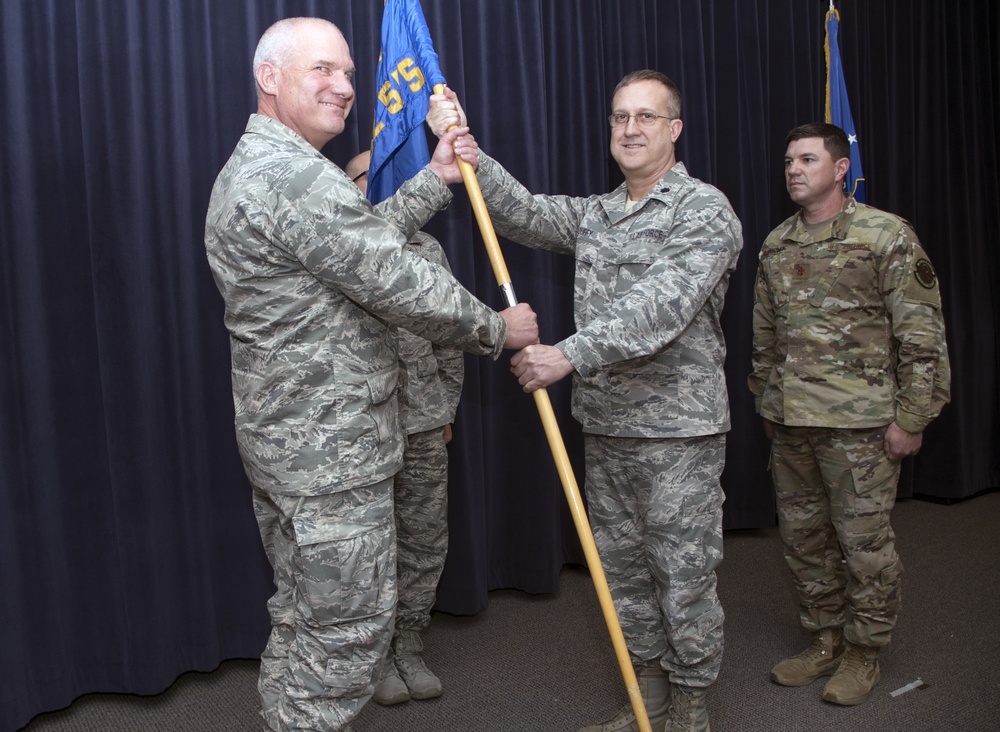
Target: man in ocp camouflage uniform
point(653, 261)
point(850, 365)
point(434, 376)
point(315, 281)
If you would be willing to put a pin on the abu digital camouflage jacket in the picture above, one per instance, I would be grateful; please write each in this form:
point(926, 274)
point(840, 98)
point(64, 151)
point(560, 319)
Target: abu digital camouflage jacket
point(649, 290)
point(314, 282)
point(434, 374)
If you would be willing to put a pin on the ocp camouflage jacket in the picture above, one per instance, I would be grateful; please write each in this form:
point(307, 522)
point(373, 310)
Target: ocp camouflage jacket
point(848, 329)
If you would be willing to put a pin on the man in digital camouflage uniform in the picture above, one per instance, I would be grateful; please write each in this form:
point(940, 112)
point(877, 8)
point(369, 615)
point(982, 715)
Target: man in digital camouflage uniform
point(434, 376)
point(653, 261)
point(314, 282)
point(849, 366)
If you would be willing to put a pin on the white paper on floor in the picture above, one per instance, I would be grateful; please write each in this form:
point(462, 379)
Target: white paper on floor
point(918, 684)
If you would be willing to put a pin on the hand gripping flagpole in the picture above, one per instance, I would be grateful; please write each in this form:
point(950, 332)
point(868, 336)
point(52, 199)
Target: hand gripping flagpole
point(558, 448)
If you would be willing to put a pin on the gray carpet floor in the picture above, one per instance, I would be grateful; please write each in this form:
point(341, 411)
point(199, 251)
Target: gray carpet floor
point(545, 663)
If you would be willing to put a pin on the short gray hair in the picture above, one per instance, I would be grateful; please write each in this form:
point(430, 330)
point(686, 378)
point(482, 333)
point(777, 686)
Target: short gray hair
point(278, 42)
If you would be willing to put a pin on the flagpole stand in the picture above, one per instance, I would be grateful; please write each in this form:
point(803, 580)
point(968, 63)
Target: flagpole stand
point(558, 448)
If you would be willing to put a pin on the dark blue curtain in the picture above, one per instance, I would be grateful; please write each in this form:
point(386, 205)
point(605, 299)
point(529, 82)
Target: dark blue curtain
point(128, 550)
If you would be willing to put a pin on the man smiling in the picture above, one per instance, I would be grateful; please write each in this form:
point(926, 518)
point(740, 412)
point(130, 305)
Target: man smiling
point(310, 93)
point(315, 281)
point(642, 144)
point(653, 260)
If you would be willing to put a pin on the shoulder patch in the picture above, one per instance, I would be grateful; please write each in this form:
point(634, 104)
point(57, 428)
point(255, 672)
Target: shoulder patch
point(924, 273)
point(923, 284)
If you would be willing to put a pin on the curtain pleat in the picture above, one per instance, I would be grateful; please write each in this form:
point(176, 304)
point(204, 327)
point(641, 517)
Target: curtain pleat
point(128, 548)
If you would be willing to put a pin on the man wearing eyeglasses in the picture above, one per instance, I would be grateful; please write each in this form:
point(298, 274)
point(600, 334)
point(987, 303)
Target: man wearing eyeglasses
point(653, 261)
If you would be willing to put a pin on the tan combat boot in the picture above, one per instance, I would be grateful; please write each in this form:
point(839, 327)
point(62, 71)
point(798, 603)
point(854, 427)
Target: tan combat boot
point(420, 680)
point(821, 658)
point(687, 710)
point(654, 686)
point(855, 677)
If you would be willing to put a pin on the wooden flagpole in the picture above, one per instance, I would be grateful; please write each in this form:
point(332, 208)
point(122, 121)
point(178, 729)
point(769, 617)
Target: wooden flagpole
point(558, 447)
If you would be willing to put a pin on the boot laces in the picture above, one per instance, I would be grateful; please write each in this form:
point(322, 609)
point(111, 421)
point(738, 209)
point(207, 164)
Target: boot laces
point(388, 669)
point(412, 663)
point(818, 649)
point(625, 716)
point(686, 703)
point(855, 660)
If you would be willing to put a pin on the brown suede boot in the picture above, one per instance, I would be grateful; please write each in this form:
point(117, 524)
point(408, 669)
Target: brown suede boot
point(855, 678)
point(821, 658)
point(654, 686)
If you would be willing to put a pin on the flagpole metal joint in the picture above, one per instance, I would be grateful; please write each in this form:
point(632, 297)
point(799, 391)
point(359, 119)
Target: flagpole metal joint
point(507, 291)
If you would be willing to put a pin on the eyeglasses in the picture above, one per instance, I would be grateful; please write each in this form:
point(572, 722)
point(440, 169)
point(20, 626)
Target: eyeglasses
point(646, 119)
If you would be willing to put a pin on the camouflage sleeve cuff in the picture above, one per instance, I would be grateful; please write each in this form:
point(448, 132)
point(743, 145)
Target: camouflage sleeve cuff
point(487, 167)
point(572, 349)
point(416, 201)
point(429, 184)
point(911, 422)
point(501, 335)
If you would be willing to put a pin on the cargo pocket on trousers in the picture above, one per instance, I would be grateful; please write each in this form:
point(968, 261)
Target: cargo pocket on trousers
point(341, 577)
point(865, 514)
point(890, 576)
point(347, 679)
point(874, 479)
point(699, 535)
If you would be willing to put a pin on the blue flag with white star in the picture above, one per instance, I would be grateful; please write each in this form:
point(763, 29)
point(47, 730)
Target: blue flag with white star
point(407, 72)
point(838, 110)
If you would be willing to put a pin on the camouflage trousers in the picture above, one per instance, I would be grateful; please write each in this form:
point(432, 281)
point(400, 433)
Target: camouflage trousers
point(835, 489)
point(421, 497)
point(655, 508)
point(331, 616)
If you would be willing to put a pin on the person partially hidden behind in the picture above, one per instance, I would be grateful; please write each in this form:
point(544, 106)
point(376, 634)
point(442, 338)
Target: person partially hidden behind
point(315, 281)
point(434, 376)
point(849, 365)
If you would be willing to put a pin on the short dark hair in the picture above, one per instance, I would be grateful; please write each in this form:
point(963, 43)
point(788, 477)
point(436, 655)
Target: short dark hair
point(835, 139)
point(673, 91)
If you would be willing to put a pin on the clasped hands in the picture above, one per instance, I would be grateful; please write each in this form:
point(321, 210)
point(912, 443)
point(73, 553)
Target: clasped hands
point(444, 112)
point(535, 365)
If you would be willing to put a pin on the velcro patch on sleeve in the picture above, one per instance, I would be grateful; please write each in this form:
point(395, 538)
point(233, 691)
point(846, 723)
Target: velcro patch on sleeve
point(923, 284)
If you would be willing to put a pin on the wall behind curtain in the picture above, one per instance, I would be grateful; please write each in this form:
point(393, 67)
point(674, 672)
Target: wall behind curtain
point(128, 551)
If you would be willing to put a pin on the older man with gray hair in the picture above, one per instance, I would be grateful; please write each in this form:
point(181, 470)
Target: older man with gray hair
point(315, 281)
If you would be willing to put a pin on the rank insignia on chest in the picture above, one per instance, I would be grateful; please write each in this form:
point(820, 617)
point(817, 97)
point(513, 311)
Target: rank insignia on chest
point(800, 270)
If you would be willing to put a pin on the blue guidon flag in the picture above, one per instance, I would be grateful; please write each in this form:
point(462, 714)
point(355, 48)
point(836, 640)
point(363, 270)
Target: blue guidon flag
point(838, 110)
point(407, 73)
